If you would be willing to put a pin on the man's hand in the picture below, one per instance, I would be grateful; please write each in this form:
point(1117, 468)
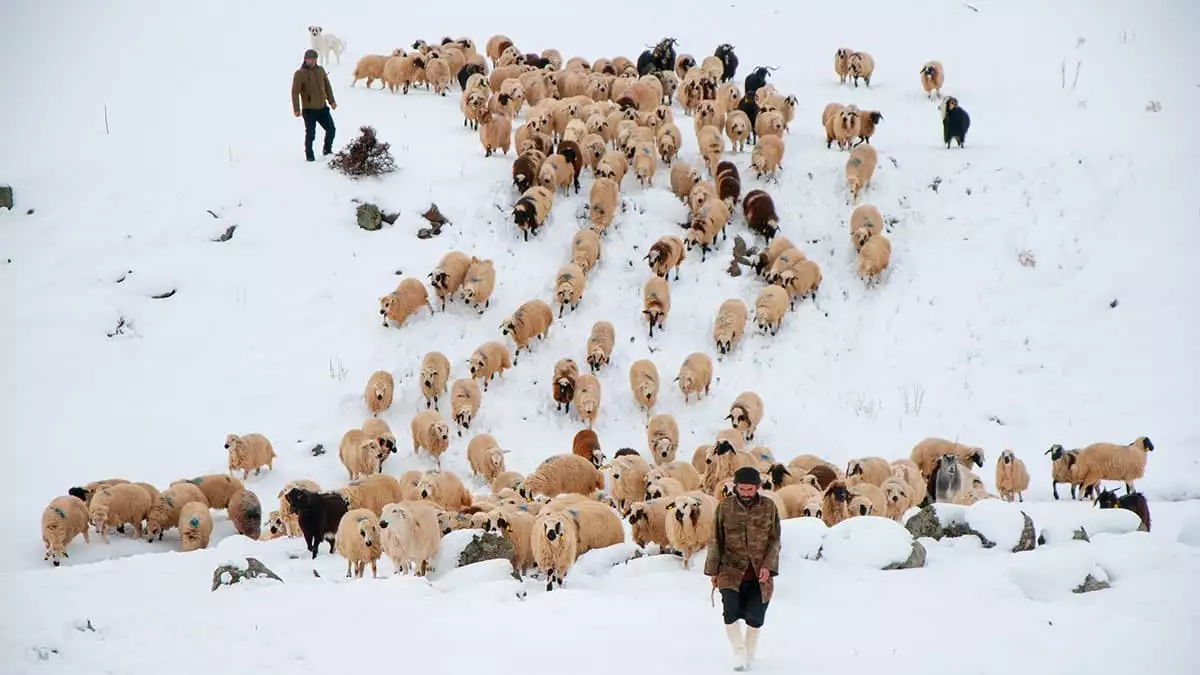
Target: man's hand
point(714, 581)
point(296, 113)
point(333, 106)
point(763, 575)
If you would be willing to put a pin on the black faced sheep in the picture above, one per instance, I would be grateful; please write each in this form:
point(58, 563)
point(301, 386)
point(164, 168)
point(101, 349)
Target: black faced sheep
point(1134, 501)
point(319, 514)
point(955, 122)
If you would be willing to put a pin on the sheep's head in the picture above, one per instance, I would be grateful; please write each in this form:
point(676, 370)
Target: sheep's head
point(153, 529)
point(975, 455)
point(385, 305)
point(854, 468)
point(232, 441)
point(1006, 457)
point(655, 490)
point(664, 449)
point(778, 474)
point(298, 499)
point(810, 479)
point(314, 30)
point(738, 416)
point(1107, 499)
point(368, 532)
point(525, 213)
point(275, 525)
point(862, 235)
point(477, 363)
point(1144, 443)
point(552, 527)
point(724, 51)
point(895, 491)
point(638, 511)
point(508, 326)
point(429, 487)
point(838, 492)
point(440, 430)
point(812, 510)
point(375, 454)
point(860, 506)
point(685, 509)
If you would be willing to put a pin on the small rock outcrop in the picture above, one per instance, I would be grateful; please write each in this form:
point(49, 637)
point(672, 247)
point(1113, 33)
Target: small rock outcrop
point(1028, 535)
point(369, 217)
point(1090, 583)
point(486, 546)
point(228, 575)
point(917, 559)
point(925, 524)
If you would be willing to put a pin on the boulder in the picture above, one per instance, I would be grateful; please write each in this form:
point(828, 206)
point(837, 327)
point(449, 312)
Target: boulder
point(485, 546)
point(6, 197)
point(1028, 535)
point(1091, 583)
point(925, 524)
point(915, 560)
point(229, 574)
point(369, 217)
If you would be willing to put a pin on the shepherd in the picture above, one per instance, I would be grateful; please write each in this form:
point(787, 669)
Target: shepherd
point(743, 559)
point(310, 91)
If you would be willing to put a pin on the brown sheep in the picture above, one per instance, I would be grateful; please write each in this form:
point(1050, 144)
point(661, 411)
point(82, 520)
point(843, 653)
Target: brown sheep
point(695, 375)
point(729, 325)
point(361, 454)
point(495, 132)
point(759, 209)
point(404, 302)
point(933, 76)
point(841, 64)
point(662, 438)
point(449, 274)
point(431, 432)
point(245, 512)
point(874, 254)
point(1011, 476)
point(370, 68)
point(666, 253)
point(491, 359)
point(656, 302)
point(600, 345)
point(569, 285)
point(217, 488)
point(643, 384)
point(586, 444)
point(531, 319)
point(249, 451)
point(566, 373)
point(378, 394)
point(729, 184)
point(683, 179)
point(602, 203)
point(1109, 461)
point(464, 403)
point(835, 505)
point(587, 399)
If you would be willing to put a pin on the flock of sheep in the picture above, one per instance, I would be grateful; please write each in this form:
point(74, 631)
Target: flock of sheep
point(603, 116)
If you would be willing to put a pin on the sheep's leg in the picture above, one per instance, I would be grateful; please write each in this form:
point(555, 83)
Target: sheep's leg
point(1054, 489)
point(1128, 488)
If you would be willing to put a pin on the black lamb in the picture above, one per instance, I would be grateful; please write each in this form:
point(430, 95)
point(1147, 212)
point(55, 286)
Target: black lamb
point(319, 514)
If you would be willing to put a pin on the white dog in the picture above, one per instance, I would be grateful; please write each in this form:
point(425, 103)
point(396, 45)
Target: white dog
point(325, 44)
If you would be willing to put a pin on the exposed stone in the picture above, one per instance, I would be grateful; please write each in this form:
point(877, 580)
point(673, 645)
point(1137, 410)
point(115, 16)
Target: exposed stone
point(369, 217)
point(1091, 584)
point(6, 197)
point(915, 559)
point(1028, 534)
point(486, 546)
point(925, 524)
point(227, 575)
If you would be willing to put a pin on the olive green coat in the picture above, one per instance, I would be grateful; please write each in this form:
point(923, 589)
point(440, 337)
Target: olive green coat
point(310, 89)
point(744, 537)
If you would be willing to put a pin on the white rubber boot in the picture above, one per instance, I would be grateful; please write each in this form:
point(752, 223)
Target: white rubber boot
point(734, 631)
point(751, 645)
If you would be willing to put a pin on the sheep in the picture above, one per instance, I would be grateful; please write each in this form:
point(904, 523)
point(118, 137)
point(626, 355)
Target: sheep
point(729, 325)
point(1011, 476)
point(712, 144)
point(663, 487)
point(556, 174)
point(738, 129)
point(899, 497)
point(867, 121)
point(249, 452)
point(217, 488)
point(729, 184)
point(401, 71)
point(844, 126)
point(613, 165)
point(245, 512)
point(479, 283)
point(360, 454)
point(358, 541)
point(587, 399)
point(569, 285)
point(290, 520)
point(725, 458)
point(318, 513)
point(409, 534)
point(666, 253)
point(1063, 468)
point(437, 73)
point(933, 76)
point(1134, 501)
point(865, 217)
point(759, 210)
point(464, 403)
point(489, 360)
point(370, 67)
point(585, 251)
point(648, 522)
point(645, 163)
point(841, 64)
point(195, 527)
point(706, 223)
point(566, 374)
point(381, 432)
point(860, 167)
point(628, 481)
point(767, 156)
point(587, 445)
point(873, 470)
point(860, 505)
point(683, 179)
point(746, 411)
point(873, 494)
point(448, 276)
point(485, 457)
point(689, 523)
point(554, 542)
point(531, 210)
point(563, 473)
point(506, 480)
point(531, 319)
point(795, 498)
point(926, 453)
point(668, 140)
point(835, 504)
point(123, 503)
point(596, 525)
point(378, 394)
point(1108, 461)
point(643, 383)
point(695, 375)
point(955, 122)
point(430, 431)
point(907, 471)
point(769, 308)
point(525, 169)
point(63, 519)
point(402, 303)
point(602, 205)
point(445, 490)
point(769, 123)
point(495, 132)
point(514, 523)
point(662, 439)
point(861, 66)
point(656, 302)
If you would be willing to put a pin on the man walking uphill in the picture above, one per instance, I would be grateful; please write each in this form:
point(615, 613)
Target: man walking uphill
point(743, 558)
point(310, 91)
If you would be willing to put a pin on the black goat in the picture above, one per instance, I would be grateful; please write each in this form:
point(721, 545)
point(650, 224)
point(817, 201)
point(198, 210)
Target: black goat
point(1134, 501)
point(757, 79)
point(319, 514)
point(729, 62)
point(955, 122)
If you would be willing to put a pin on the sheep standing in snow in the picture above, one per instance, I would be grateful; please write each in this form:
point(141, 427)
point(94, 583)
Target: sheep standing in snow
point(746, 412)
point(795, 498)
point(933, 76)
point(409, 534)
point(374, 492)
point(872, 470)
point(318, 513)
point(195, 527)
point(955, 122)
point(490, 360)
point(485, 457)
point(684, 472)
point(430, 431)
point(478, 285)
point(410, 295)
point(662, 437)
point(683, 179)
point(558, 474)
point(245, 512)
point(689, 523)
point(874, 254)
point(445, 490)
point(861, 66)
point(729, 325)
point(841, 64)
point(865, 217)
point(586, 444)
point(648, 522)
point(360, 454)
point(1108, 461)
point(587, 399)
point(1011, 476)
point(290, 520)
point(569, 285)
point(555, 544)
point(656, 302)
point(531, 319)
point(495, 132)
point(514, 523)
point(1063, 468)
point(566, 374)
point(860, 167)
point(759, 209)
point(899, 496)
point(769, 308)
point(600, 345)
point(358, 542)
point(835, 504)
point(378, 394)
point(63, 519)
point(217, 488)
point(532, 209)
point(666, 253)
point(585, 249)
point(249, 452)
point(602, 204)
point(695, 375)
point(435, 372)
point(162, 513)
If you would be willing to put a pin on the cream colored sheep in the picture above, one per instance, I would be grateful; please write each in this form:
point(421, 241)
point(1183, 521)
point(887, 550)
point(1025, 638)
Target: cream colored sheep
point(860, 167)
point(769, 308)
point(1108, 461)
point(706, 223)
point(602, 205)
point(932, 78)
point(873, 494)
point(249, 452)
point(874, 254)
point(410, 535)
point(507, 480)
point(435, 372)
point(585, 250)
point(358, 541)
point(841, 64)
point(769, 124)
point(491, 359)
point(628, 481)
point(409, 483)
point(645, 163)
point(556, 174)
point(1062, 469)
point(596, 525)
point(479, 283)
point(401, 71)
point(831, 118)
point(766, 260)
point(217, 488)
point(795, 498)
point(847, 126)
point(555, 545)
point(378, 394)
point(813, 509)
point(746, 411)
point(495, 132)
point(801, 280)
point(514, 523)
point(683, 178)
point(708, 113)
point(861, 66)
point(430, 431)
point(690, 523)
point(1011, 476)
point(666, 253)
point(290, 520)
point(613, 166)
point(374, 492)
point(599, 348)
point(643, 384)
point(448, 276)
point(361, 453)
point(900, 497)
point(908, 471)
point(485, 457)
point(445, 490)
point(587, 399)
point(669, 141)
point(370, 68)
point(656, 302)
point(464, 403)
point(437, 73)
point(403, 302)
point(738, 129)
point(648, 522)
point(873, 470)
point(865, 216)
point(558, 474)
point(767, 156)
point(569, 285)
point(723, 461)
point(532, 319)
point(195, 526)
point(63, 519)
point(729, 325)
point(662, 438)
point(695, 375)
point(712, 144)
point(684, 472)
point(116, 505)
point(787, 260)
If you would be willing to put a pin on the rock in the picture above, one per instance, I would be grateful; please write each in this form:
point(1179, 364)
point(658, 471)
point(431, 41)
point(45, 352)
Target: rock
point(227, 235)
point(1027, 536)
point(435, 217)
point(963, 530)
point(369, 217)
point(486, 546)
point(227, 575)
point(1091, 584)
point(6, 196)
point(917, 559)
point(317, 450)
point(925, 524)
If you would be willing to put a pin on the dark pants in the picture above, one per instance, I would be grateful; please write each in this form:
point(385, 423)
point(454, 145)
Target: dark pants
point(745, 603)
point(311, 119)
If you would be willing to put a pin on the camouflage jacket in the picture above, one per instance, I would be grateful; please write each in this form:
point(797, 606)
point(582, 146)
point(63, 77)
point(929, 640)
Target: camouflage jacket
point(744, 537)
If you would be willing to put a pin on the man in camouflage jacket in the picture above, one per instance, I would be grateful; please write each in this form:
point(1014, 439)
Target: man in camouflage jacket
point(743, 559)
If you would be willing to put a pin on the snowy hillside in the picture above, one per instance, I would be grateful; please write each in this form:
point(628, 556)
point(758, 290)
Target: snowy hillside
point(1042, 290)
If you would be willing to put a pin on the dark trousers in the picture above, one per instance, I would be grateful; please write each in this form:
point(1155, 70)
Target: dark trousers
point(311, 119)
point(745, 603)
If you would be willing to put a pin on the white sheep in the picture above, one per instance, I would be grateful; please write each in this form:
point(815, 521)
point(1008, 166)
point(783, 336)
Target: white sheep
point(357, 541)
point(410, 535)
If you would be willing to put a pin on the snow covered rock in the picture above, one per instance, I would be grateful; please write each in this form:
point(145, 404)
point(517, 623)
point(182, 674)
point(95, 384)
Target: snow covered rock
point(925, 523)
point(868, 542)
point(230, 574)
point(1113, 521)
point(1190, 534)
point(1054, 573)
point(449, 550)
point(6, 197)
point(477, 574)
point(1057, 534)
point(915, 559)
point(801, 539)
point(1001, 524)
point(485, 546)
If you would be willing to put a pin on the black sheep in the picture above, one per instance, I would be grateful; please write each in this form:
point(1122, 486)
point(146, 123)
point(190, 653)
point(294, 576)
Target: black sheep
point(664, 54)
point(757, 79)
point(319, 514)
point(645, 64)
point(729, 62)
point(955, 122)
point(1134, 501)
point(750, 107)
point(466, 72)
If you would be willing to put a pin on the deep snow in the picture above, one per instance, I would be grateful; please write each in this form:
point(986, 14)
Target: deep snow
point(277, 330)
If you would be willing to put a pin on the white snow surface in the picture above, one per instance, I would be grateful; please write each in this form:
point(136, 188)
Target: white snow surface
point(1001, 522)
point(867, 542)
point(124, 123)
point(801, 539)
